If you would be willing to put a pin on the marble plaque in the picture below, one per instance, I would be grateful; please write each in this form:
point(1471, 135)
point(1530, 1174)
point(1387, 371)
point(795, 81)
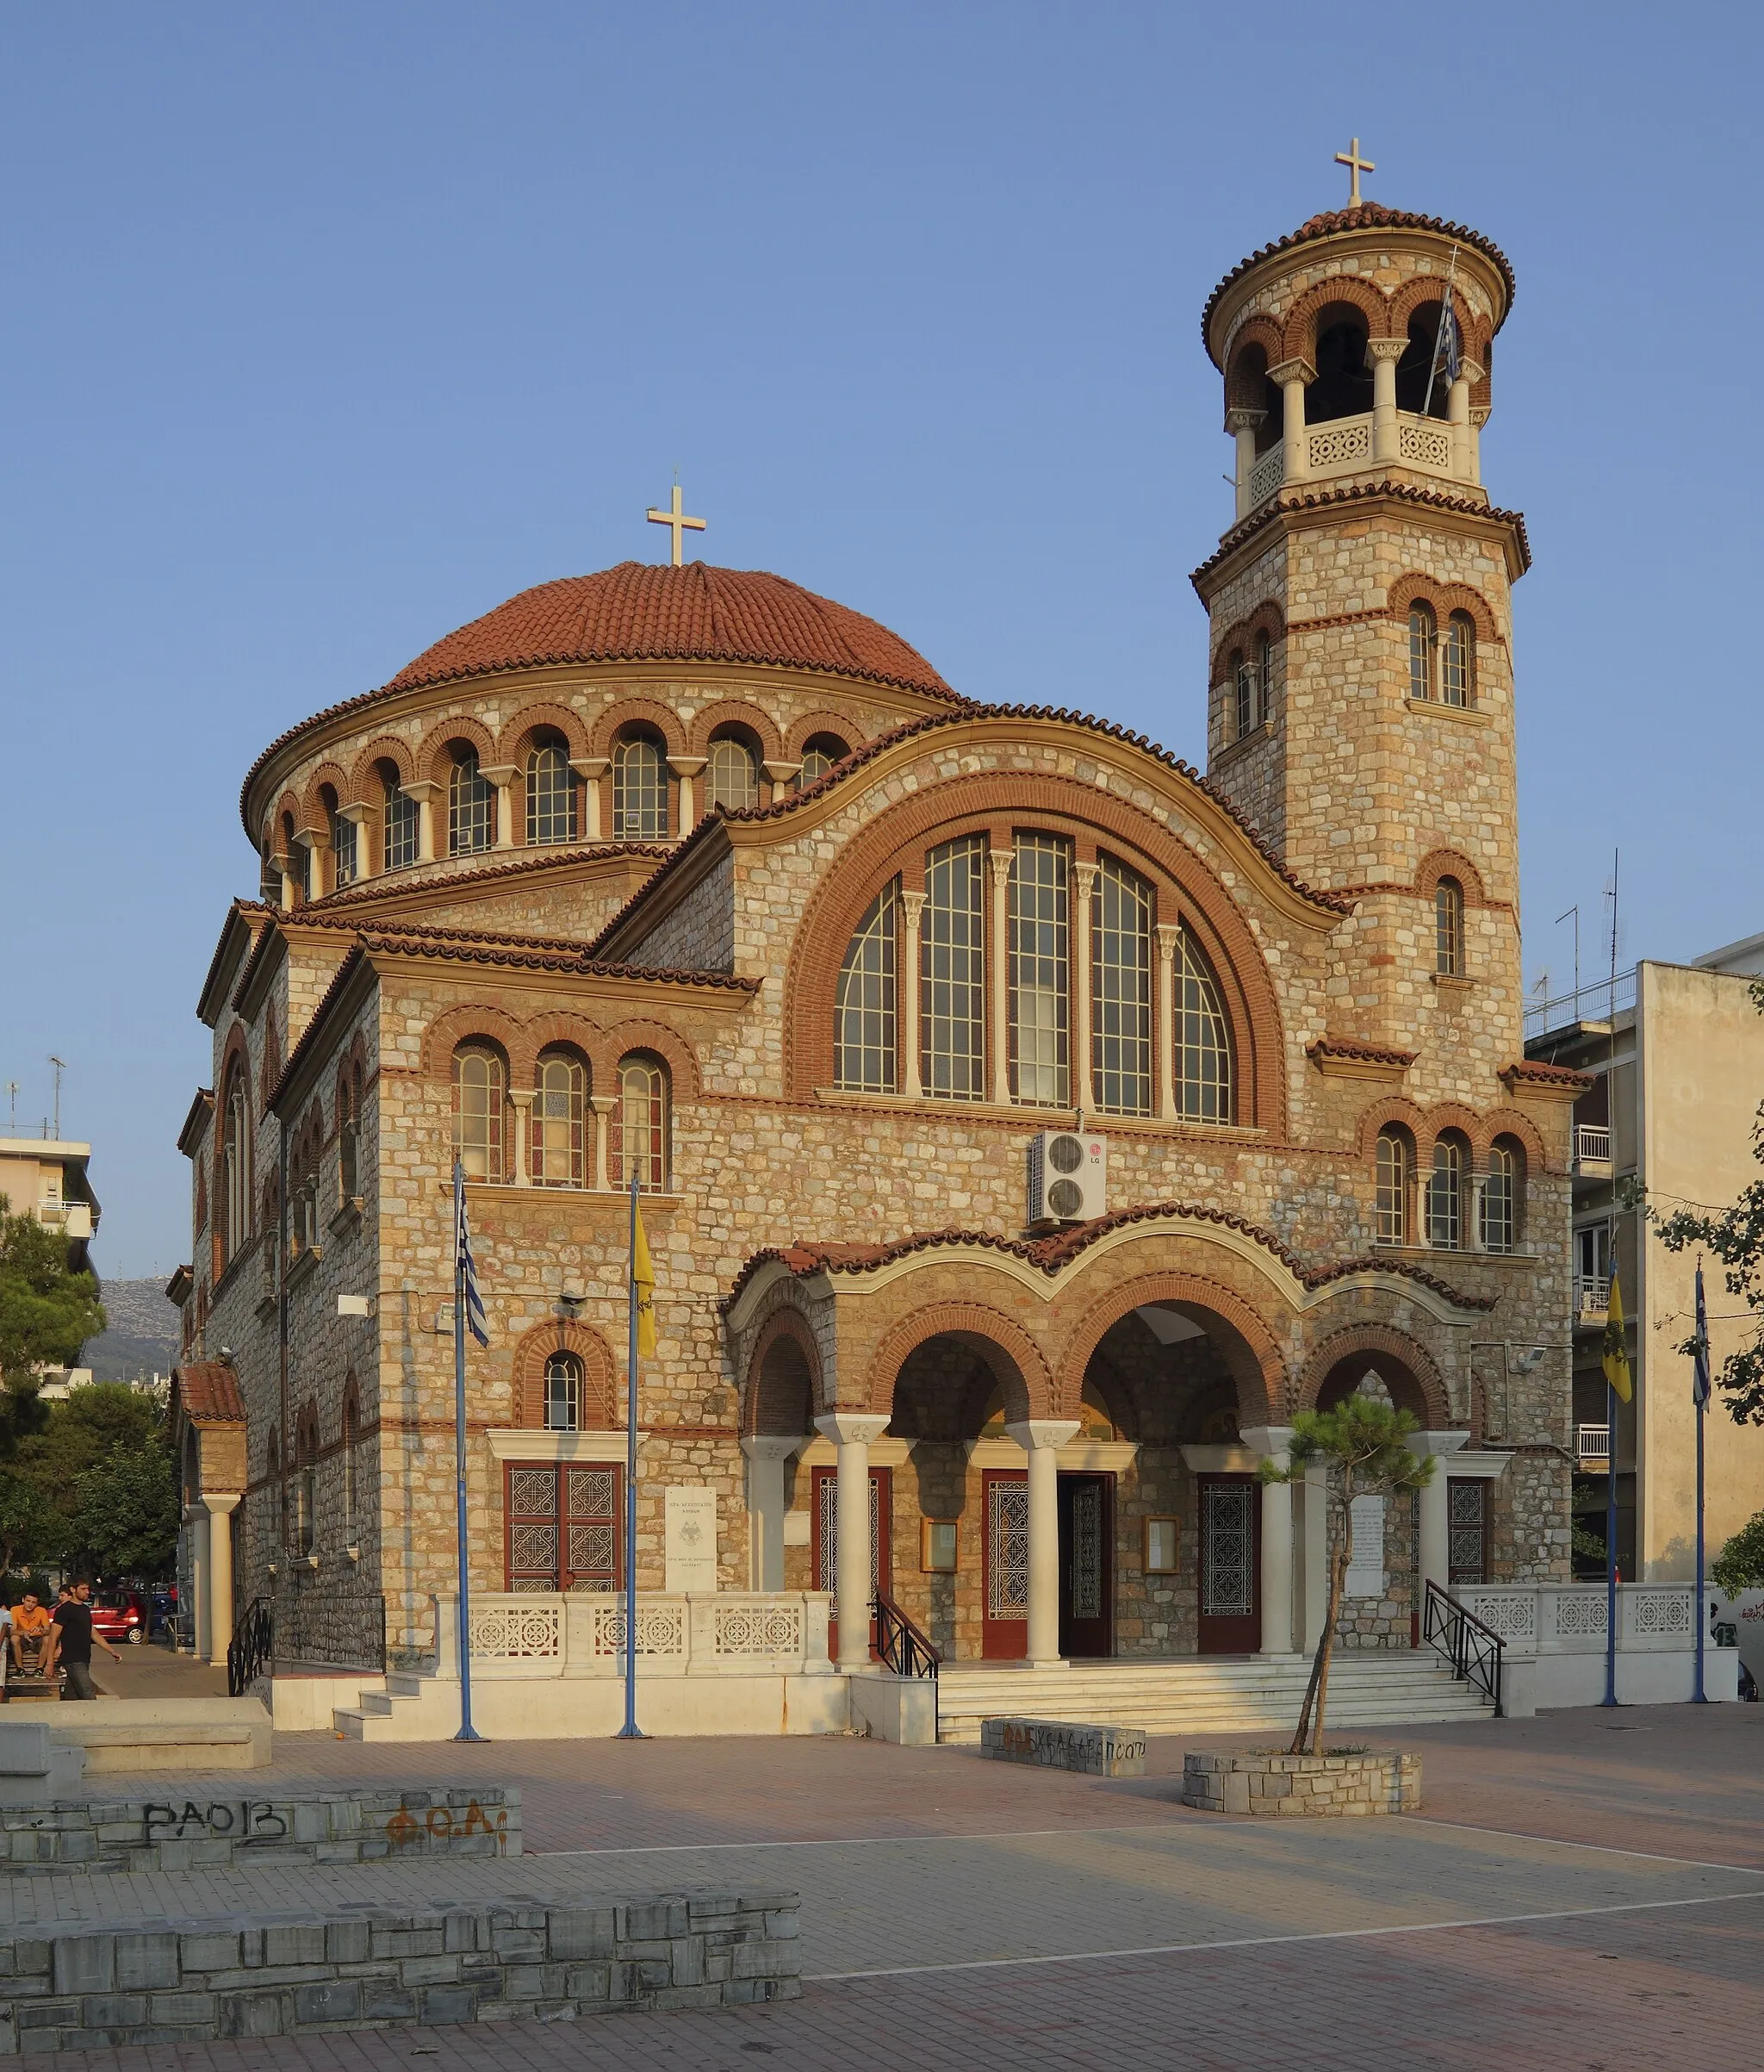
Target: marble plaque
point(690, 1519)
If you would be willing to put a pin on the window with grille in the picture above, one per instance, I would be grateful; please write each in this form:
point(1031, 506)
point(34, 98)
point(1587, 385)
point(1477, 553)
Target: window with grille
point(952, 972)
point(1449, 928)
point(1120, 990)
point(733, 775)
point(471, 807)
point(563, 1393)
point(640, 1133)
point(639, 791)
point(550, 796)
point(561, 1524)
point(1457, 661)
point(1039, 921)
point(403, 819)
point(479, 1093)
point(1391, 1211)
point(1446, 1187)
point(865, 1006)
point(1202, 1037)
point(345, 851)
point(1423, 646)
point(559, 1102)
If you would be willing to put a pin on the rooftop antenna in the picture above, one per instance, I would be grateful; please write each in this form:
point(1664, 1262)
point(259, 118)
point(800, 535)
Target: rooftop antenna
point(60, 1065)
point(1574, 914)
point(12, 1096)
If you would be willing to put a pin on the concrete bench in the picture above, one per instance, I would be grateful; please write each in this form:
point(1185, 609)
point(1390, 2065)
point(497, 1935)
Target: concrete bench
point(165, 1733)
point(35, 1769)
point(1098, 1751)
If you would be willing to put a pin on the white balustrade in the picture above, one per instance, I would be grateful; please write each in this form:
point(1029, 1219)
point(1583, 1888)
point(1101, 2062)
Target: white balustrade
point(522, 1635)
point(1568, 1618)
point(1266, 476)
point(1421, 443)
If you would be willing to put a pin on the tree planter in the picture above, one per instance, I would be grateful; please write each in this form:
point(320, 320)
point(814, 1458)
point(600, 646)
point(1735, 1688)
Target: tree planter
point(1262, 1781)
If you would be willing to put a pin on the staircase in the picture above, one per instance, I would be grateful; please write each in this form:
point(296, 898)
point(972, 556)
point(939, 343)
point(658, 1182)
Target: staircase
point(1219, 1694)
point(397, 1712)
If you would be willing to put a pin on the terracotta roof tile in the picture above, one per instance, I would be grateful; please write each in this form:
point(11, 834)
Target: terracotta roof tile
point(1404, 492)
point(207, 1390)
point(1351, 1047)
point(1533, 1072)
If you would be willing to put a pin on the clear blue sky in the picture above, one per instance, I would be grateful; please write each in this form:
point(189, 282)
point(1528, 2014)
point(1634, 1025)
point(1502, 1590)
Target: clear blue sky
point(330, 326)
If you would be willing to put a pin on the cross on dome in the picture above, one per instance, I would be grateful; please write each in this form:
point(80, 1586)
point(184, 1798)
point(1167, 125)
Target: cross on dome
point(1356, 166)
point(677, 519)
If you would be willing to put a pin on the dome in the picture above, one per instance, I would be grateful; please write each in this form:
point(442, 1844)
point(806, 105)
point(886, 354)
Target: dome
point(639, 612)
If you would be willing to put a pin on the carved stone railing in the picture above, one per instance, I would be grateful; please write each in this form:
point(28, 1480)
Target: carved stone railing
point(1266, 476)
point(1568, 1618)
point(539, 1634)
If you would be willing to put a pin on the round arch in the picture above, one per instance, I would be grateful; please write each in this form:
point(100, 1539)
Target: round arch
point(1335, 1366)
point(783, 1390)
point(535, 1346)
point(432, 760)
point(730, 714)
point(1244, 1340)
point(1012, 1358)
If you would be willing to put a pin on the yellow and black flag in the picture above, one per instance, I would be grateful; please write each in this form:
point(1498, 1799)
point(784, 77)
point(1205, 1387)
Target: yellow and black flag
point(1616, 1345)
point(643, 1286)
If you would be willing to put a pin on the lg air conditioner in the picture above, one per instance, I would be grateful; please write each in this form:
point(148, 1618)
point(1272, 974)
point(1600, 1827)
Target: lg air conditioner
point(1068, 1177)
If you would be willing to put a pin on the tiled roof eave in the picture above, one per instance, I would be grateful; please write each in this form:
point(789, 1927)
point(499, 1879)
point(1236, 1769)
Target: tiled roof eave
point(1283, 503)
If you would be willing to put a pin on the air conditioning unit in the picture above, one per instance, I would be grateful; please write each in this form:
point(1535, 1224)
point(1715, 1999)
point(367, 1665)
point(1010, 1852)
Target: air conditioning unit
point(1068, 1177)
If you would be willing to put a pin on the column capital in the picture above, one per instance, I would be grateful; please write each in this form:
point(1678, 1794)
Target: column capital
point(1167, 933)
point(521, 1097)
point(501, 774)
point(1031, 1434)
point(1085, 874)
point(1244, 421)
point(422, 789)
point(1424, 1443)
point(1391, 349)
point(1289, 372)
point(220, 1502)
point(914, 902)
point(591, 767)
point(603, 1104)
point(765, 1446)
point(1470, 370)
point(781, 773)
point(1001, 861)
point(1270, 1440)
point(851, 1428)
point(686, 766)
point(357, 811)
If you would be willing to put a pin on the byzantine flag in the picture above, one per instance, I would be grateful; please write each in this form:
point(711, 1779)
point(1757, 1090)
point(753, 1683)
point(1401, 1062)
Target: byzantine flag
point(1617, 1349)
point(1701, 1387)
point(642, 1287)
point(476, 1322)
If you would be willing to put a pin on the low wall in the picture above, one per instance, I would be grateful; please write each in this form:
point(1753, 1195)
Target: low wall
point(1259, 1782)
point(887, 1707)
point(165, 1733)
point(1097, 1751)
point(185, 1834)
point(593, 1707)
point(378, 1969)
point(1551, 1683)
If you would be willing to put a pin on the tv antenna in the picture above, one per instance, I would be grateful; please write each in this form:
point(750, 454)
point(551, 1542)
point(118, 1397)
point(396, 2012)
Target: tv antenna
point(60, 1065)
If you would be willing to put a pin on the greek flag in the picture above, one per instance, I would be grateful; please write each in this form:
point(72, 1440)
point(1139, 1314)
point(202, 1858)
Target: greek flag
point(1701, 1387)
point(1448, 346)
point(467, 1273)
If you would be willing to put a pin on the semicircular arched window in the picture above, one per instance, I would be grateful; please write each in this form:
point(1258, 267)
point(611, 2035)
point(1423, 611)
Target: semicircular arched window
point(550, 796)
point(479, 1093)
point(471, 807)
point(1202, 1033)
point(865, 1008)
point(1424, 651)
point(1120, 990)
point(639, 791)
point(820, 753)
point(1449, 928)
point(1394, 1166)
point(733, 778)
point(1502, 1192)
point(1457, 661)
point(400, 825)
point(640, 1124)
point(559, 1133)
point(563, 1393)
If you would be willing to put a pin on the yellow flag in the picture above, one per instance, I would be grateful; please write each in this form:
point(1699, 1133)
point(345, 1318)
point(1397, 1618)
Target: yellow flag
point(643, 1291)
point(1617, 1350)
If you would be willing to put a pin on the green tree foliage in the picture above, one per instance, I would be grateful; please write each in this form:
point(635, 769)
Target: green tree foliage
point(106, 1482)
point(1364, 1444)
point(1740, 1564)
point(46, 1313)
point(123, 1518)
point(27, 1524)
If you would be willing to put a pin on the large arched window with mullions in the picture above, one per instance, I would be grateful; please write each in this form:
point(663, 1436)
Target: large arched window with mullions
point(1424, 651)
point(471, 807)
point(1039, 923)
point(560, 1101)
point(480, 1094)
point(550, 796)
point(865, 1006)
point(639, 790)
point(401, 824)
point(1202, 1033)
point(1120, 990)
point(732, 778)
point(640, 1124)
point(1457, 661)
point(1395, 1170)
point(952, 972)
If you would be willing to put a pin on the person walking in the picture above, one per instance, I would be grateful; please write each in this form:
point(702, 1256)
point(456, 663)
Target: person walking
point(71, 1641)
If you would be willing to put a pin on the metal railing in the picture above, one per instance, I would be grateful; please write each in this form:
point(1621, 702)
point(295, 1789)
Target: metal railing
point(1592, 1442)
point(1592, 1294)
point(899, 1644)
point(1593, 1003)
point(1473, 1650)
point(251, 1647)
point(1591, 1141)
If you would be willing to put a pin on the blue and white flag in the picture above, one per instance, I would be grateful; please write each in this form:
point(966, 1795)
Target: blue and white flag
point(1701, 1388)
point(466, 1272)
point(1448, 346)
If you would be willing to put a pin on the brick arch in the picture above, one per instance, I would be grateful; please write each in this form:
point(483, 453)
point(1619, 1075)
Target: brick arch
point(535, 1346)
point(1392, 1108)
point(432, 761)
point(1509, 1122)
point(1248, 1344)
point(1439, 863)
point(563, 1032)
point(1404, 1365)
point(1415, 293)
point(364, 779)
point(843, 725)
point(349, 1400)
point(1267, 617)
point(1446, 599)
point(1246, 393)
point(624, 713)
point(475, 1022)
point(768, 1401)
point(286, 809)
point(515, 740)
point(1298, 338)
point(312, 805)
point(732, 712)
point(272, 1071)
point(1188, 887)
point(681, 1060)
point(1013, 1358)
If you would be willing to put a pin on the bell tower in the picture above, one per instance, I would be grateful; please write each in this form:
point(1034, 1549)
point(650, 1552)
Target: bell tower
point(1360, 685)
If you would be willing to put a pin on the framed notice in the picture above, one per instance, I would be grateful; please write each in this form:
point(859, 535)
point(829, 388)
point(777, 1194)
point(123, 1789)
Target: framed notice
point(937, 1545)
point(1159, 1541)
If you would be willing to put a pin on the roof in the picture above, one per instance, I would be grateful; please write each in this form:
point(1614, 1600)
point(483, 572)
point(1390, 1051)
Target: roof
point(207, 1390)
point(1295, 499)
point(1369, 215)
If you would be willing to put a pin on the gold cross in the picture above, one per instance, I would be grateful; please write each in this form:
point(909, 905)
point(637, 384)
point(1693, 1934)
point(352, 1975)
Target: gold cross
point(1356, 166)
point(674, 518)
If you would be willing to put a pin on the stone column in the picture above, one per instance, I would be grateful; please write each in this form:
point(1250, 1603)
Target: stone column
point(1436, 1519)
point(502, 776)
point(197, 1523)
point(591, 770)
point(221, 1509)
point(779, 774)
point(998, 985)
point(1164, 1020)
point(367, 864)
point(1479, 417)
point(423, 793)
point(1041, 1438)
point(907, 988)
point(522, 1104)
point(686, 768)
point(1271, 1441)
point(1291, 375)
point(1385, 353)
point(1243, 426)
point(1079, 1046)
point(765, 1457)
point(1458, 408)
point(852, 1431)
point(602, 1105)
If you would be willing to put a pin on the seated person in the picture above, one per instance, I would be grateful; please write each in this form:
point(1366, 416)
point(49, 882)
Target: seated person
point(30, 1625)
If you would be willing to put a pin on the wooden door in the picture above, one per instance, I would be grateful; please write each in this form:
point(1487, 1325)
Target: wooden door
point(1005, 1565)
point(563, 1527)
point(825, 1515)
point(1086, 1564)
point(1230, 1565)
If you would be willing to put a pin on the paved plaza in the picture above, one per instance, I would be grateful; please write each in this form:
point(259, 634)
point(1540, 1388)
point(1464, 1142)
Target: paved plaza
point(1584, 1889)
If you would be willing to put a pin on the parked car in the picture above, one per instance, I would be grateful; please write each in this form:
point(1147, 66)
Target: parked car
point(119, 1615)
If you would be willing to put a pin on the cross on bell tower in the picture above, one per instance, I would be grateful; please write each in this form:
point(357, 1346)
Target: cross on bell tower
point(676, 518)
point(1356, 166)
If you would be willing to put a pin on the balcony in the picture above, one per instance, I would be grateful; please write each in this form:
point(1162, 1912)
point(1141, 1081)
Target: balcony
point(1593, 1151)
point(72, 1219)
point(1344, 446)
point(1592, 1300)
point(1592, 1447)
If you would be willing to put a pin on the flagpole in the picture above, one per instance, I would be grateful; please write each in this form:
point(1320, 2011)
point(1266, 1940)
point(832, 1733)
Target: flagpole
point(1610, 1697)
point(467, 1731)
point(631, 1731)
point(1699, 1394)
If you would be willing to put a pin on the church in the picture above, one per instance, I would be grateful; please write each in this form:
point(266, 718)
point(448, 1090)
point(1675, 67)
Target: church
point(1027, 1124)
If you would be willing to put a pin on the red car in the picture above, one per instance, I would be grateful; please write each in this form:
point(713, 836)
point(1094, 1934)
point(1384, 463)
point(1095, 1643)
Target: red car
point(119, 1617)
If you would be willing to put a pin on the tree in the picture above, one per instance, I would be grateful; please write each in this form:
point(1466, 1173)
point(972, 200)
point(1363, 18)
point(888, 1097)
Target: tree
point(46, 1313)
point(1736, 1236)
point(1363, 1445)
point(1740, 1564)
point(95, 1425)
point(27, 1522)
point(123, 1516)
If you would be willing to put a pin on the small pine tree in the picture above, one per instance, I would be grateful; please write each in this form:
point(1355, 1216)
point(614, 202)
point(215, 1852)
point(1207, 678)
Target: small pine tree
point(1740, 1564)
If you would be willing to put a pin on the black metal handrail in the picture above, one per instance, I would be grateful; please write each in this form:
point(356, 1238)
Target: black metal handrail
point(253, 1646)
point(899, 1643)
point(1473, 1650)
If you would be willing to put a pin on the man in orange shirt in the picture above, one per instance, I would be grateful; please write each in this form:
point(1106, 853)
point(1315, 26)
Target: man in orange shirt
point(30, 1623)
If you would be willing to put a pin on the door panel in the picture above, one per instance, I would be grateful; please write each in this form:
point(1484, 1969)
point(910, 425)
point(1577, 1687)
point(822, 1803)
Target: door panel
point(824, 1514)
point(1086, 1564)
point(1230, 1567)
point(1005, 1565)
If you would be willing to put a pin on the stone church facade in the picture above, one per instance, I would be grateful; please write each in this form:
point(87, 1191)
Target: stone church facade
point(686, 872)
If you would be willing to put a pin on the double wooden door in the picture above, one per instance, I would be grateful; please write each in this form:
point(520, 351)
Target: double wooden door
point(1231, 1565)
point(1086, 1512)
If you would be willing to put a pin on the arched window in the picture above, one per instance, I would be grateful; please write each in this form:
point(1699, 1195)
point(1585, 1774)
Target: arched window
point(1264, 679)
point(272, 1238)
point(1457, 661)
point(1202, 1037)
point(1343, 387)
point(1120, 990)
point(1423, 649)
point(471, 807)
point(1445, 1193)
point(1394, 1169)
point(1243, 682)
point(235, 1164)
point(350, 1433)
point(639, 791)
point(401, 842)
point(550, 796)
point(479, 1091)
point(820, 753)
point(345, 849)
point(270, 879)
point(305, 1446)
point(1040, 966)
point(563, 1393)
point(349, 1102)
point(1412, 369)
point(864, 1011)
point(640, 1134)
point(1449, 928)
point(559, 1104)
point(952, 971)
point(1502, 1192)
point(733, 777)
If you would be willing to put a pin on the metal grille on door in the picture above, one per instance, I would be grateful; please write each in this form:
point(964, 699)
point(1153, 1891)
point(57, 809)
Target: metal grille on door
point(1228, 1575)
point(826, 1575)
point(1467, 1518)
point(1087, 1551)
point(583, 1529)
point(1008, 1542)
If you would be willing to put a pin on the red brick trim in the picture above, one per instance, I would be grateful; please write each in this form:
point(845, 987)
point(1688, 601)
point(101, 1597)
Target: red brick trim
point(1405, 1365)
point(620, 1039)
point(315, 814)
point(364, 781)
point(515, 741)
point(1016, 1361)
point(762, 1412)
point(1299, 332)
point(435, 764)
point(841, 725)
point(1242, 387)
point(1248, 1347)
point(623, 713)
point(731, 712)
point(1267, 617)
point(599, 1408)
point(1446, 599)
point(1439, 863)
